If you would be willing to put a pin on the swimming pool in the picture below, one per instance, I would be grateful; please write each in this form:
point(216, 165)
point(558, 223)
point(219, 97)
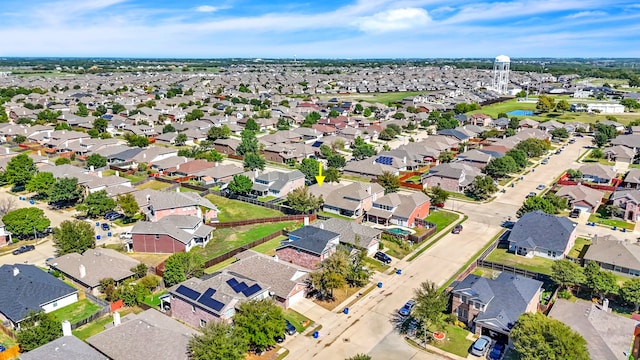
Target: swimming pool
point(520, 113)
point(398, 231)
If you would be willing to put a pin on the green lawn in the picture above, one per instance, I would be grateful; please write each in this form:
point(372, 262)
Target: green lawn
point(226, 239)
point(442, 218)
point(76, 311)
point(97, 326)
point(328, 214)
point(266, 198)
point(219, 266)
point(153, 300)
point(371, 98)
point(375, 265)
point(269, 248)
point(297, 320)
point(611, 222)
point(578, 248)
point(455, 341)
point(136, 178)
point(537, 264)
point(395, 250)
point(154, 185)
point(234, 210)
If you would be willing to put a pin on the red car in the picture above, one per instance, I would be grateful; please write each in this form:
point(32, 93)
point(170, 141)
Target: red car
point(440, 205)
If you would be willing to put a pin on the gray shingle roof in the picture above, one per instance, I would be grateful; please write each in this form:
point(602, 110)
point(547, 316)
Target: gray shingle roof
point(64, 348)
point(310, 238)
point(506, 297)
point(173, 226)
point(618, 253)
point(28, 290)
point(98, 264)
point(350, 230)
point(537, 229)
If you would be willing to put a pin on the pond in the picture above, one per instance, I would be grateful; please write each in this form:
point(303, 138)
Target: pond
point(520, 113)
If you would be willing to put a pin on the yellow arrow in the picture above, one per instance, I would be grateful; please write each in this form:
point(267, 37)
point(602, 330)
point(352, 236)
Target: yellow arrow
point(320, 178)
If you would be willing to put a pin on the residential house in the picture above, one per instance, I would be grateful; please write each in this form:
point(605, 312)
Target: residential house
point(26, 288)
point(629, 202)
point(550, 125)
point(399, 209)
point(621, 257)
point(5, 236)
point(226, 146)
point(479, 119)
point(540, 234)
point(476, 158)
point(492, 306)
point(454, 177)
point(147, 335)
point(287, 282)
point(158, 204)
point(218, 174)
point(277, 183)
point(454, 133)
point(609, 336)
point(170, 234)
point(351, 200)
point(162, 165)
point(213, 298)
point(632, 179)
point(373, 167)
point(631, 141)
point(284, 153)
point(353, 234)
point(528, 123)
point(619, 127)
point(598, 173)
point(308, 246)
point(582, 197)
point(620, 153)
point(67, 347)
point(86, 270)
point(189, 168)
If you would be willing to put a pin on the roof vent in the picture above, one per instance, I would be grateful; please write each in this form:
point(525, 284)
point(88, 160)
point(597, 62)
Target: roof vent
point(16, 271)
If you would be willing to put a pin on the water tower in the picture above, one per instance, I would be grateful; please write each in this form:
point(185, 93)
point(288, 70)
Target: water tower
point(501, 74)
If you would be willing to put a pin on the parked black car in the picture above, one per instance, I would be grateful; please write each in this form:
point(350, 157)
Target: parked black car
point(382, 257)
point(105, 227)
point(23, 249)
point(457, 229)
point(574, 213)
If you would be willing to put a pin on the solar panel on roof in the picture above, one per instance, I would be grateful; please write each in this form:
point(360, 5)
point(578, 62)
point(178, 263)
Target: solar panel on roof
point(190, 293)
point(207, 301)
point(209, 293)
point(317, 144)
point(251, 290)
point(232, 282)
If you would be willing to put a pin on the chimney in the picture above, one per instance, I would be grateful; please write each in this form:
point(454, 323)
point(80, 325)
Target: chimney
point(144, 155)
point(82, 270)
point(7, 150)
point(100, 173)
point(39, 152)
point(116, 318)
point(275, 258)
point(605, 305)
point(16, 271)
point(92, 168)
point(148, 198)
point(321, 226)
point(80, 140)
point(66, 328)
point(178, 189)
point(306, 220)
point(117, 173)
point(369, 189)
point(404, 160)
point(178, 167)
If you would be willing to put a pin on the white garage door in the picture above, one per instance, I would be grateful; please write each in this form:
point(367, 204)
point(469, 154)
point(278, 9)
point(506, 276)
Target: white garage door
point(297, 297)
point(584, 209)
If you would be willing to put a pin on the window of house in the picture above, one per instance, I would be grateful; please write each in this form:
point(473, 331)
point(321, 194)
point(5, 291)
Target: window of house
point(193, 308)
point(477, 305)
point(203, 323)
point(172, 210)
point(549, 253)
point(464, 299)
point(157, 236)
point(55, 304)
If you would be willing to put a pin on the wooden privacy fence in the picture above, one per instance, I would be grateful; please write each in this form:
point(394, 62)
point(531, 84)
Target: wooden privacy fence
point(523, 272)
point(228, 224)
point(102, 312)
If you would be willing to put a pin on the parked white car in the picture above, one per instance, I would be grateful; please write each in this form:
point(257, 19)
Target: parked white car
point(126, 235)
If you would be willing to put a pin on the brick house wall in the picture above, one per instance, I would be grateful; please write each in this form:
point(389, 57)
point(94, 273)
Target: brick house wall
point(631, 209)
point(299, 257)
point(184, 312)
point(420, 212)
point(4, 240)
point(162, 244)
point(291, 185)
point(464, 311)
point(224, 149)
point(273, 156)
point(445, 183)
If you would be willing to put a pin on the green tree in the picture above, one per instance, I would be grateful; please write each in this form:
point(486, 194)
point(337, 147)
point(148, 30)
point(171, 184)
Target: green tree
point(431, 304)
point(446, 157)
point(20, 169)
point(283, 124)
point(219, 341)
point(195, 114)
point(24, 221)
point(96, 160)
point(332, 175)
point(310, 168)
point(181, 139)
point(182, 266)
point(131, 292)
point(49, 116)
point(65, 191)
point(97, 203)
point(534, 203)
point(248, 144)
point(41, 183)
point(333, 114)
point(117, 108)
point(260, 322)
point(325, 150)
point(211, 156)
point(437, 195)
point(140, 270)
point(38, 329)
point(311, 119)
point(129, 205)
point(240, 185)
point(444, 123)
point(389, 182)
point(482, 187)
point(560, 133)
point(73, 236)
point(387, 134)
point(514, 123)
point(545, 103)
point(252, 125)
point(567, 274)
point(357, 274)
point(520, 157)
point(362, 150)
point(597, 153)
point(168, 129)
point(302, 200)
point(630, 104)
point(563, 105)
point(330, 275)
point(500, 167)
point(336, 161)
point(253, 161)
point(107, 286)
point(537, 337)
point(630, 292)
point(601, 282)
point(134, 140)
point(574, 174)
point(62, 161)
point(100, 124)
point(218, 132)
point(366, 112)
point(533, 147)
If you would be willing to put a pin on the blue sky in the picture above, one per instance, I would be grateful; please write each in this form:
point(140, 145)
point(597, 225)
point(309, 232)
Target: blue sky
point(320, 29)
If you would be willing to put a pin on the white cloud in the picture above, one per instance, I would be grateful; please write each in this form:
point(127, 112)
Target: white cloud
point(583, 14)
point(393, 20)
point(207, 8)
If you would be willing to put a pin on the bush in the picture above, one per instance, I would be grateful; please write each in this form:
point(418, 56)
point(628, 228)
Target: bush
point(564, 294)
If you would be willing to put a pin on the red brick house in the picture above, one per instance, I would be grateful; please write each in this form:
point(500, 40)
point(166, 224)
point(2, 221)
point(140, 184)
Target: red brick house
point(170, 234)
point(213, 297)
point(308, 246)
